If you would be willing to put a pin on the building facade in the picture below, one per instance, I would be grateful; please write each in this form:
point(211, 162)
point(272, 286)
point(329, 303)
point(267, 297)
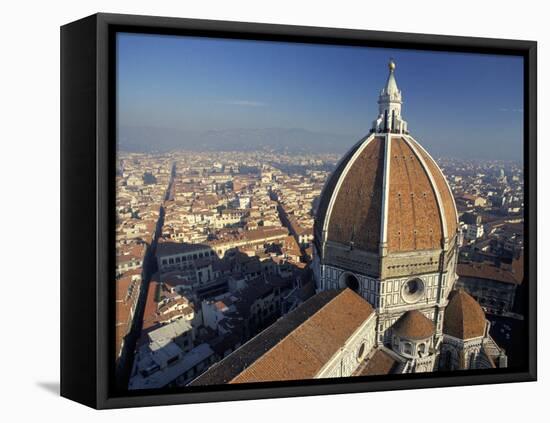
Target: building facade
point(387, 228)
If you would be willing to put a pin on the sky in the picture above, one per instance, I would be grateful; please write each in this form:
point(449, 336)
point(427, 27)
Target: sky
point(456, 105)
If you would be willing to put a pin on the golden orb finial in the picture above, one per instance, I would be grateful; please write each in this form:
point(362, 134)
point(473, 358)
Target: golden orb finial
point(391, 65)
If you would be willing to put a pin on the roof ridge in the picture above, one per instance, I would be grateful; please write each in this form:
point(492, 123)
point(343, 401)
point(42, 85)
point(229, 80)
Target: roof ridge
point(431, 179)
point(293, 338)
point(386, 176)
point(465, 313)
point(359, 148)
point(461, 305)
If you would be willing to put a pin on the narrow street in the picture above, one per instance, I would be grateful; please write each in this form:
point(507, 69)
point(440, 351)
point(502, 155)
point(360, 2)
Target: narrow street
point(149, 269)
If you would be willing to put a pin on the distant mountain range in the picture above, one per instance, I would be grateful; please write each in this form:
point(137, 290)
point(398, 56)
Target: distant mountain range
point(295, 140)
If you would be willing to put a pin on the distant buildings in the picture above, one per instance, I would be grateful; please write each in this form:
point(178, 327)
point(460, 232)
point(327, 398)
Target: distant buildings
point(141, 185)
point(127, 295)
point(223, 270)
point(495, 288)
point(227, 266)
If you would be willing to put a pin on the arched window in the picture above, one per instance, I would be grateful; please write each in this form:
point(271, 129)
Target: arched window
point(421, 348)
point(348, 280)
point(407, 348)
point(472, 361)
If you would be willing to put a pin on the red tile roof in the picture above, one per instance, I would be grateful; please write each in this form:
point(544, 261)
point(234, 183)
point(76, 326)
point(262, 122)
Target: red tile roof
point(303, 353)
point(488, 271)
point(381, 363)
point(419, 200)
point(464, 318)
point(413, 325)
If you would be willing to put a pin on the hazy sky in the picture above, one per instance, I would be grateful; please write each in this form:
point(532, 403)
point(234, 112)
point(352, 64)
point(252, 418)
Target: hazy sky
point(457, 105)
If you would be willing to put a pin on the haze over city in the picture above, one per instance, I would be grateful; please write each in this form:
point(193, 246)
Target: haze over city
point(208, 94)
point(251, 249)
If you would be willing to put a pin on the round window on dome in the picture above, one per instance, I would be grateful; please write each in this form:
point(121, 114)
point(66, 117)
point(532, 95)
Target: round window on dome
point(412, 290)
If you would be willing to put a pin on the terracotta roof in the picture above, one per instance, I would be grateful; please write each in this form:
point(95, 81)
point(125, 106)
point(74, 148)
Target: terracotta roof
point(381, 363)
point(303, 353)
point(414, 222)
point(122, 286)
point(355, 215)
point(443, 188)
point(414, 325)
point(150, 309)
point(356, 212)
point(329, 189)
point(487, 271)
point(295, 346)
point(464, 317)
point(418, 197)
point(123, 311)
point(235, 363)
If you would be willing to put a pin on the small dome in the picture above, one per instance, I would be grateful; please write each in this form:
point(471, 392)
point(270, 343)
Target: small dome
point(413, 325)
point(464, 317)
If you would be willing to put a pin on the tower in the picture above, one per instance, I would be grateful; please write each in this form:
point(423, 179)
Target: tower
point(389, 107)
point(386, 227)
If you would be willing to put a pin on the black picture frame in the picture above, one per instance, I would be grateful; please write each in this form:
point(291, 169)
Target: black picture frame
point(87, 195)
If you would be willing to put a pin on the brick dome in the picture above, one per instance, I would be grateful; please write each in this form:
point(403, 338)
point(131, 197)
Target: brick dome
point(413, 325)
point(464, 317)
point(387, 192)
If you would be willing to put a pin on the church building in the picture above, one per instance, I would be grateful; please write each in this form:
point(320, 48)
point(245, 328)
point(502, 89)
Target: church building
point(385, 253)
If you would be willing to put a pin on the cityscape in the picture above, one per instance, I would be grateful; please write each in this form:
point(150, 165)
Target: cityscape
point(213, 248)
point(274, 222)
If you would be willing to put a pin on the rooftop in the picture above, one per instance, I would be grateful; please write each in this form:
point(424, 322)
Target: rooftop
point(414, 325)
point(163, 377)
point(297, 345)
point(464, 318)
point(420, 205)
point(380, 363)
point(487, 271)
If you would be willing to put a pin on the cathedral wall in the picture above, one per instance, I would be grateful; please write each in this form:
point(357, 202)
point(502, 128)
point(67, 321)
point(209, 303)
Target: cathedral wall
point(424, 364)
point(394, 292)
point(332, 278)
point(389, 297)
point(458, 354)
point(394, 266)
point(353, 352)
point(354, 260)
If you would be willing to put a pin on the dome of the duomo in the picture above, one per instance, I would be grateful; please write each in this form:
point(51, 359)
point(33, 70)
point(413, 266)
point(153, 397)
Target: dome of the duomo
point(464, 317)
point(387, 190)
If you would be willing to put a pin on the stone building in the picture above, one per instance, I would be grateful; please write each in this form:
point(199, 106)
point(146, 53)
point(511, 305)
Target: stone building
point(386, 240)
point(494, 287)
point(386, 226)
